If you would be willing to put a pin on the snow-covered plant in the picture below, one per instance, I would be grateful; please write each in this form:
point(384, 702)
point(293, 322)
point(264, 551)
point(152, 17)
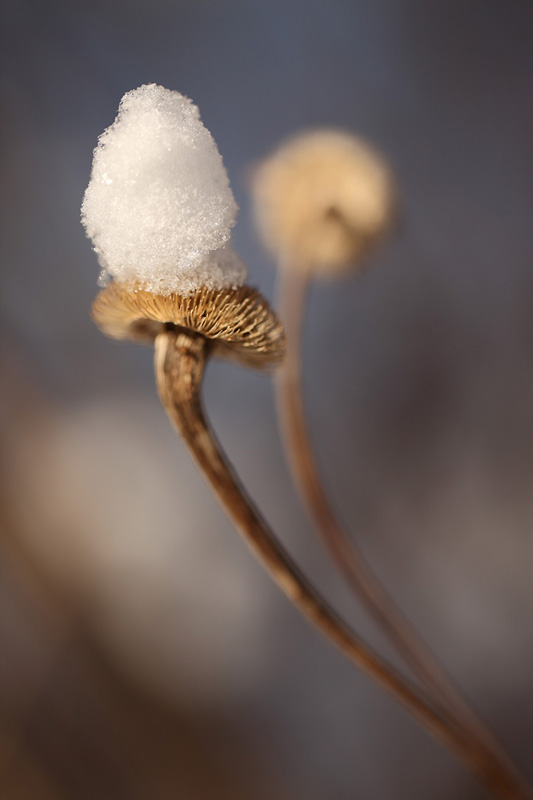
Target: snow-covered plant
point(160, 210)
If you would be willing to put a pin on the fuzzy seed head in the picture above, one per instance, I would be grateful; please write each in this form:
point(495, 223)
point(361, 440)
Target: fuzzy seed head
point(321, 200)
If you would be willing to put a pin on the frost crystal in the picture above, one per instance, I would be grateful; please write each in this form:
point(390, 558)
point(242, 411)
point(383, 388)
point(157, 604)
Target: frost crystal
point(159, 208)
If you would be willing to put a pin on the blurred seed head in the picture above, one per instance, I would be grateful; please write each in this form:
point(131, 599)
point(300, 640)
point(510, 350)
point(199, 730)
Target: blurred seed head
point(322, 199)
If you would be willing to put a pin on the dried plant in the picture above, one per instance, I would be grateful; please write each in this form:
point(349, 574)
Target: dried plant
point(238, 322)
point(204, 308)
point(322, 200)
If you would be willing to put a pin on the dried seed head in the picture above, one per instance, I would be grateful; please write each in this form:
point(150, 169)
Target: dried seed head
point(159, 209)
point(238, 322)
point(322, 199)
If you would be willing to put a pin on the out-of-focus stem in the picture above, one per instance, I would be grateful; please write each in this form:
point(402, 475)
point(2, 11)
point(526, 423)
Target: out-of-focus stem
point(292, 294)
point(180, 357)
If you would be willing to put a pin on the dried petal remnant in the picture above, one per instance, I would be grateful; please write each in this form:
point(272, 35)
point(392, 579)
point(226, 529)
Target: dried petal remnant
point(239, 322)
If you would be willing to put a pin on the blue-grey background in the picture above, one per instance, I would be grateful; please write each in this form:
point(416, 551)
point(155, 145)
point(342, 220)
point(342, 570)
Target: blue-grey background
point(145, 654)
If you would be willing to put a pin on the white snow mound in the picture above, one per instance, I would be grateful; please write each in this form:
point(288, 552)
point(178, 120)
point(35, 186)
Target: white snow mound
point(159, 208)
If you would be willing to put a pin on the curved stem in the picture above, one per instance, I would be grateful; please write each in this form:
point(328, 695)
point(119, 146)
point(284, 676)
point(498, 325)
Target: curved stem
point(364, 583)
point(180, 357)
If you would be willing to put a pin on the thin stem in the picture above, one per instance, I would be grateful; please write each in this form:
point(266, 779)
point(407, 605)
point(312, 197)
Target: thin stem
point(180, 357)
point(364, 583)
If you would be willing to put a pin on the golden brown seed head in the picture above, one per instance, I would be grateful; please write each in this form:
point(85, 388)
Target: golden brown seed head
point(238, 322)
point(322, 199)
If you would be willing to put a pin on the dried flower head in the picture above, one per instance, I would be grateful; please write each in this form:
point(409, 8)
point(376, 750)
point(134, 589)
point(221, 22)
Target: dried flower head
point(322, 199)
point(239, 323)
point(159, 209)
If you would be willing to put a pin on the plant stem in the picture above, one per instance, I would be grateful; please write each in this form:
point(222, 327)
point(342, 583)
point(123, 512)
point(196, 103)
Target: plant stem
point(363, 582)
point(180, 358)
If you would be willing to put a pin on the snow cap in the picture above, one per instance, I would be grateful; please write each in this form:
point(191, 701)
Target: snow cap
point(159, 208)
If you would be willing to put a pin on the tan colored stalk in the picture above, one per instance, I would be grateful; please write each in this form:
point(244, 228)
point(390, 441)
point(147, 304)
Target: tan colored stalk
point(293, 285)
point(180, 358)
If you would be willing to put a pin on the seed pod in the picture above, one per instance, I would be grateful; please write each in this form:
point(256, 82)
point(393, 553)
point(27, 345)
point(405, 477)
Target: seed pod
point(322, 200)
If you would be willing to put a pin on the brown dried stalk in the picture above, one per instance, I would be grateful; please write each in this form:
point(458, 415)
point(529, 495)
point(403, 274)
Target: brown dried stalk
point(293, 284)
point(180, 358)
point(238, 323)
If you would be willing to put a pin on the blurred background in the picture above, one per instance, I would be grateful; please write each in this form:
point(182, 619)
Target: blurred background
point(144, 654)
